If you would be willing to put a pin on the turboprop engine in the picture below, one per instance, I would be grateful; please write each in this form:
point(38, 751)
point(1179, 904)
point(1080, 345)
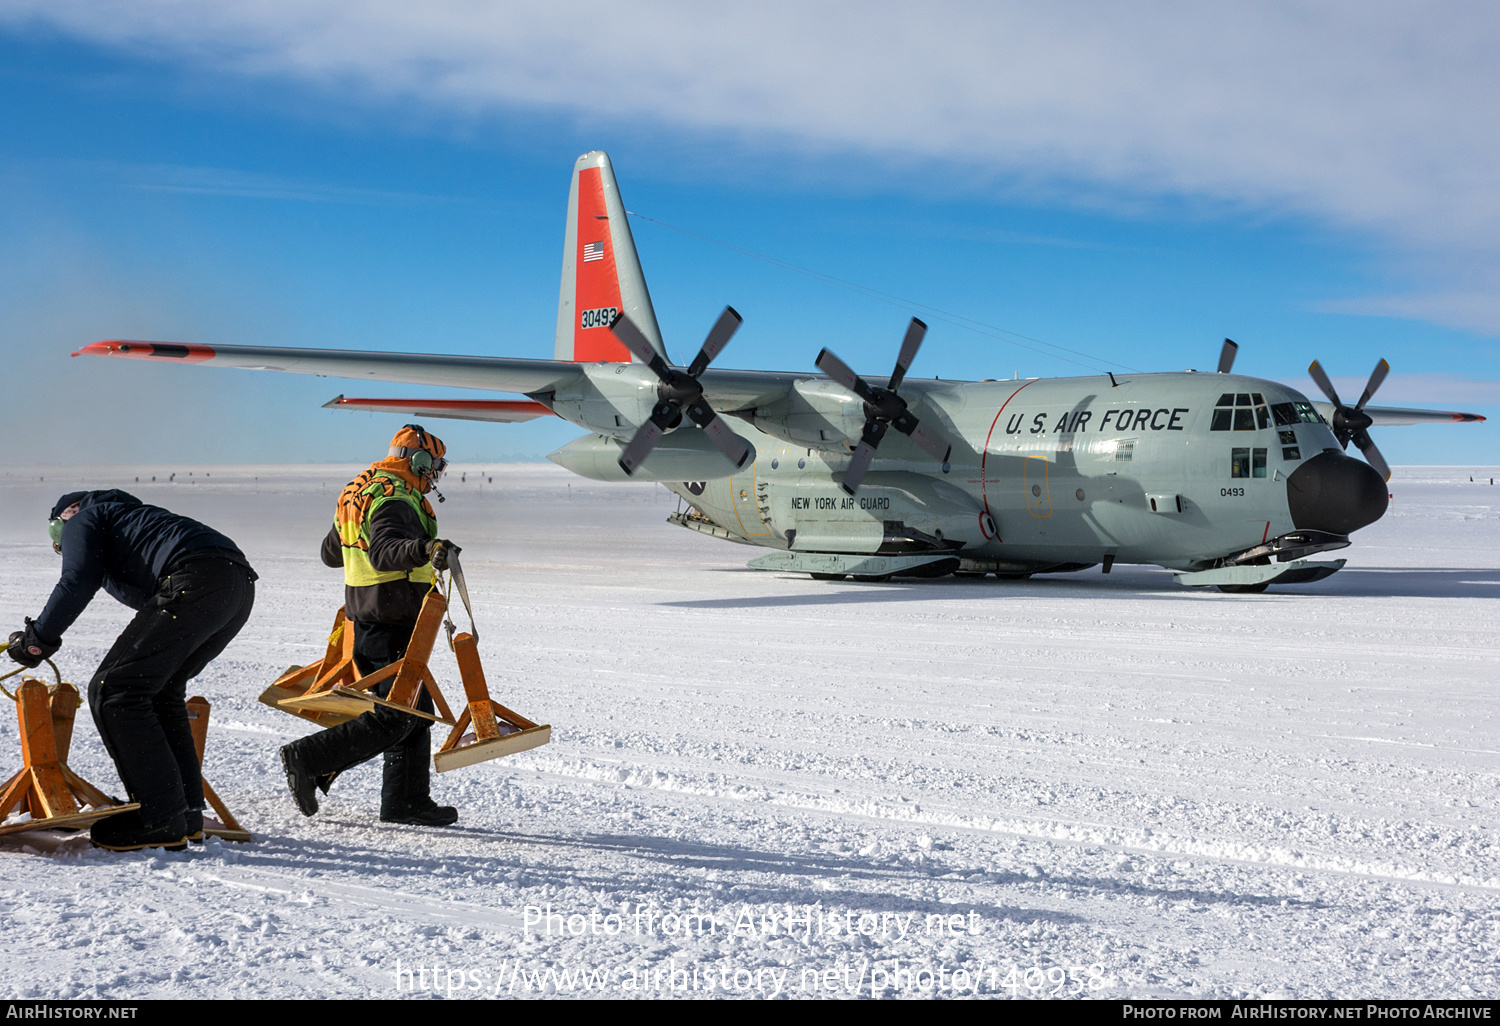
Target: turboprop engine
point(683, 455)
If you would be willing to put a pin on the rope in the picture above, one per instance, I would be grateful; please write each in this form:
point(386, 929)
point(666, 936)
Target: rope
point(23, 669)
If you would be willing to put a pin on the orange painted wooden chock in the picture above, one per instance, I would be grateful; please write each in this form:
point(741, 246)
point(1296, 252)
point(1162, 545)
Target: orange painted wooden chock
point(332, 691)
point(226, 826)
point(45, 788)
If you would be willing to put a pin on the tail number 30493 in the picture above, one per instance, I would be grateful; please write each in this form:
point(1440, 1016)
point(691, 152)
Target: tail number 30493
point(600, 318)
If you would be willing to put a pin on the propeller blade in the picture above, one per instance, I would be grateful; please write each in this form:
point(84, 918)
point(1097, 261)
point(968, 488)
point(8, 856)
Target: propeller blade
point(1226, 356)
point(1321, 379)
point(735, 449)
point(1372, 455)
point(625, 330)
point(640, 446)
point(718, 337)
point(934, 443)
point(839, 371)
point(858, 464)
point(915, 331)
point(1376, 377)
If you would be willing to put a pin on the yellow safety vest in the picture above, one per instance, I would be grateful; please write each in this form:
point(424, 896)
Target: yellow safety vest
point(354, 534)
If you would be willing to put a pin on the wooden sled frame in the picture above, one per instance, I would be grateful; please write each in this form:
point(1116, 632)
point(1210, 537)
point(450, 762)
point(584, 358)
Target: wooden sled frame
point(45, 787)
point(226, 828)
point(332, 691)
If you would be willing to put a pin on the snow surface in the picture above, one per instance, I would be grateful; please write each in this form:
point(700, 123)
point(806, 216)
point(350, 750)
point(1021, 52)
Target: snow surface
point(901, 789)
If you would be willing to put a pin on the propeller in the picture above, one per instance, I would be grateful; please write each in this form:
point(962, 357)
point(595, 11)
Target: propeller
point(680, 391)
point(1352, 422)
point(883, 408)
point(1227, 354)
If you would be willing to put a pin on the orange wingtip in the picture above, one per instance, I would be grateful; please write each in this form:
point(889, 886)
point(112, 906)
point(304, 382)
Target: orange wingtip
point(133, 350)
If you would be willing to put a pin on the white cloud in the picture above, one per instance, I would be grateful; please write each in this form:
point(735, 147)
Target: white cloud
point(1375, 117)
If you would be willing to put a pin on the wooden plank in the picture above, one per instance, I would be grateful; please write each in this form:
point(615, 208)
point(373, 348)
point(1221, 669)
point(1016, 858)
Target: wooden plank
point(49, 791)
point(274, 696)
point(16, 792)
point(227, 827)
point(90, 794)
point(375, 700)
point(72, 820)
point(419, 650)
point(510, 716)
point(343, 668)
point(328, 702)
point(298, 677)
point(198, 710)
point(65, 703)
point(431, 684)
point(457, 731)
point(482, 751)
point(379, 676)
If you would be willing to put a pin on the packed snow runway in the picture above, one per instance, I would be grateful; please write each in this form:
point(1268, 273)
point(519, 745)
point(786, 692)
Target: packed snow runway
point(759, 784)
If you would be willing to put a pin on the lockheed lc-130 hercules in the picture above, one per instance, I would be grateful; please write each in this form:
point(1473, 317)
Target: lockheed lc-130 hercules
point(1232, 481)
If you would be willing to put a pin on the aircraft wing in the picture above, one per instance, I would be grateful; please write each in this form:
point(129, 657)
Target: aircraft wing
point(497, 374)
point(497, 411)
point(730, 390)
point(726, 390)
point(1391, 416)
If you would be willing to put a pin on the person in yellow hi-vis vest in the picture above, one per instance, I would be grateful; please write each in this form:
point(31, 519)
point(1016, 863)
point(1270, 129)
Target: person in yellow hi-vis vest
point(385, 537)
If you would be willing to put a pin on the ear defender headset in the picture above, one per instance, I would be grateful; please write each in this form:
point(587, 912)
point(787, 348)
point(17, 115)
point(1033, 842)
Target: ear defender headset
point(420, 460)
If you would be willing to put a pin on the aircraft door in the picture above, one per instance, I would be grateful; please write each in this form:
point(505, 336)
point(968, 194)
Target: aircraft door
point(1034, 475)
point(751, 506)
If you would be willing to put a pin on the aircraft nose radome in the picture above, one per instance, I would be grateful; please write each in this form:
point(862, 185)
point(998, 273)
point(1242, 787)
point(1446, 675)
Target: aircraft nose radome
point(1334, 493)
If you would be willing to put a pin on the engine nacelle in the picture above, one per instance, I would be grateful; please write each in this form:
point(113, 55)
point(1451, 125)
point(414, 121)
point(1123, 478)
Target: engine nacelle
point(613, 399)
point(816, 413)
point(683, 455)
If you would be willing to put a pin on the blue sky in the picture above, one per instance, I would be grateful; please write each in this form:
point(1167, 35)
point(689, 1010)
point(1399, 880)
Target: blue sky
point(335, 175)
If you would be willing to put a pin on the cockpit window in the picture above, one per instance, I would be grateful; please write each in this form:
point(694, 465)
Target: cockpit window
point(1288, 414)
point(1241, 411)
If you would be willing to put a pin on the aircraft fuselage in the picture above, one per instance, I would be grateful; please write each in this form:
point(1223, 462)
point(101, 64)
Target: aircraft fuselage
point(1182, 470)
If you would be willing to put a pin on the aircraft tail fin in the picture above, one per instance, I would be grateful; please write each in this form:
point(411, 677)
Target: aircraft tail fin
point(601, 273)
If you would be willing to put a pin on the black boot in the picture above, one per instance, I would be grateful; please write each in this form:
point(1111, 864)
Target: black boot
point(194, 818)
point(127, 832)
point(403, 792)
point(429, 813)
point(299, 780)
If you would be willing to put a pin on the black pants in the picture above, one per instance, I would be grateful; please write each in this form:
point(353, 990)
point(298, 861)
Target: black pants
point(138, 693)
point(405, 739)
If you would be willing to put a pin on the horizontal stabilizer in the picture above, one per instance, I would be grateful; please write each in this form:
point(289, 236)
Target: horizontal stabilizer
point(500, 411)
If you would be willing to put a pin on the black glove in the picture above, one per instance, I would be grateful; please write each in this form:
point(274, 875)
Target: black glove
point(28, 649)
point(438, 552)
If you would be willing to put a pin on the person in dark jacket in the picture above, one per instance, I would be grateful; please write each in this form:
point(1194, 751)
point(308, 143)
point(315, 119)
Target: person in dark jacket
point(385, 538)
point(193, 590)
